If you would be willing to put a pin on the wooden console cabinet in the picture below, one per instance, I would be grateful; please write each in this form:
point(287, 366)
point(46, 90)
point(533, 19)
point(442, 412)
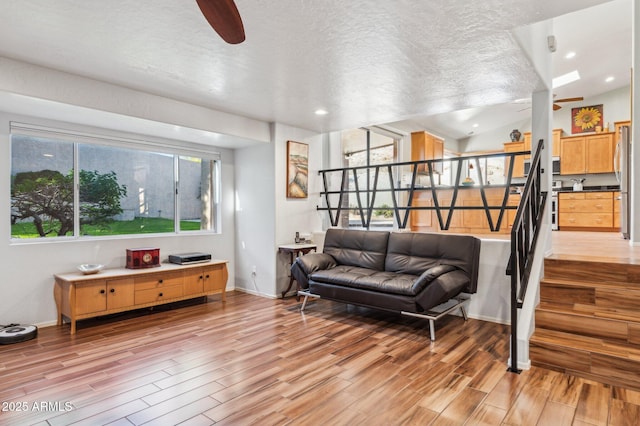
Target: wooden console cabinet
point(115, 290)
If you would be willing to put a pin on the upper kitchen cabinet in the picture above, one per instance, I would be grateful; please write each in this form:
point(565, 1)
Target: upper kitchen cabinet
point(555, 143)
point(518, 160)
point(425, 146)
point(587, 154)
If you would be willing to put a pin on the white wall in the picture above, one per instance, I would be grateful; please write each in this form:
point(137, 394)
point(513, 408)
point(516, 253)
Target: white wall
point(265, 217)
point(27, 284)
point(255, 219)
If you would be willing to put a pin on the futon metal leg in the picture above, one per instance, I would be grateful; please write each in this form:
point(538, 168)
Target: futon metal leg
point(464, 312)
point(432, 330)
point(304, 302)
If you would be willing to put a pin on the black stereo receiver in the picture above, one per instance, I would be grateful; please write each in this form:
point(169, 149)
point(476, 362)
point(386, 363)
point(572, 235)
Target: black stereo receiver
point(186, 258)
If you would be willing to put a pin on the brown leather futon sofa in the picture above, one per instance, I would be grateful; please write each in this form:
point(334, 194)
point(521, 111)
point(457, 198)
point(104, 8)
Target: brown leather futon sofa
point(411, 273)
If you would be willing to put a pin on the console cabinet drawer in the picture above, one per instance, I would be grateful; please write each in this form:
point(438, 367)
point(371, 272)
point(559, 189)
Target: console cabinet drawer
point(159, 280)
point(158, 294)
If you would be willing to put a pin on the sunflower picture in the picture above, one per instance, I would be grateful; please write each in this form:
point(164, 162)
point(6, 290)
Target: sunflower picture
point(586, 119)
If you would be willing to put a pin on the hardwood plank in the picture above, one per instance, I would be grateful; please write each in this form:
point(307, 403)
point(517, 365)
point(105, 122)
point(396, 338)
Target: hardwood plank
point(461, 408)
point(581, 324)
point(528, 407)
point(446, 393)
point(566, 390)
point(556, 414)
point(487, 415)
point(593, 405)
point(624, 413)
point(506, 391)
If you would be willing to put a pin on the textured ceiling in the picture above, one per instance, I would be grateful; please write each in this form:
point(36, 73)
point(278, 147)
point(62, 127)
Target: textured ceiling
point(366, 62)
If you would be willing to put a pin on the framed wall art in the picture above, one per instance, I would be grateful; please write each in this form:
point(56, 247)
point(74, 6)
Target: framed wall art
point(587, 119)
point(297, 169)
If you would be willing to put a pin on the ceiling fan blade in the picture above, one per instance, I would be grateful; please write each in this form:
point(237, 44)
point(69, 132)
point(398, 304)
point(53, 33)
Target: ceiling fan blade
point(224, 18)
point(556, 107)
point(579, 98)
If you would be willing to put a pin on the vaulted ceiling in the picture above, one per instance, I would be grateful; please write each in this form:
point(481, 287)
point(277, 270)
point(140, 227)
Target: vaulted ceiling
point(364, 61)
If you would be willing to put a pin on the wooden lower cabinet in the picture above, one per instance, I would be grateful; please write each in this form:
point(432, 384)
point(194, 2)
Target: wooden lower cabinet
point(464, 220)
point(586, 211)
point(115, 290)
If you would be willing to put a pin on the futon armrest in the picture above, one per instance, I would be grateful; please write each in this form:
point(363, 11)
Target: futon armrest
point(309, 263)
point(430, 275)
point(312, 262)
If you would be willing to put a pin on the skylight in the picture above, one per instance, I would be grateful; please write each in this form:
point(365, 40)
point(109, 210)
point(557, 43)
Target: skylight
point(566, 79)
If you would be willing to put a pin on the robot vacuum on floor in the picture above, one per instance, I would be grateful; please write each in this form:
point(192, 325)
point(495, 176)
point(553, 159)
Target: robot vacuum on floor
point(14, 333)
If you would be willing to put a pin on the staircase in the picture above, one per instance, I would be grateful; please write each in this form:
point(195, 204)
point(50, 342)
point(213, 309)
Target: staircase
point(588, 320)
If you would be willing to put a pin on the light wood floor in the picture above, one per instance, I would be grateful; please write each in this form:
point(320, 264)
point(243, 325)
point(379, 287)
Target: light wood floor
point(594, 246)
point(262, 361)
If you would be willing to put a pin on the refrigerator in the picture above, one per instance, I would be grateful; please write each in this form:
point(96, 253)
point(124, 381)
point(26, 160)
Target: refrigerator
point(622, 165)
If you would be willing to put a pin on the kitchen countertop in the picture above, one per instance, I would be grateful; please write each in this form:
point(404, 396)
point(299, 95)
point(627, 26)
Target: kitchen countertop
point(597, 188)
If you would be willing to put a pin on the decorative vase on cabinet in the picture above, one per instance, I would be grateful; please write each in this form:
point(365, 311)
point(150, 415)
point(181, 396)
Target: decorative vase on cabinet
point(515, 135)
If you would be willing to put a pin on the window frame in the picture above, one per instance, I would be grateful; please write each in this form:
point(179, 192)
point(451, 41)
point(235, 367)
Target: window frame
point(107, 138)
point(367, 150)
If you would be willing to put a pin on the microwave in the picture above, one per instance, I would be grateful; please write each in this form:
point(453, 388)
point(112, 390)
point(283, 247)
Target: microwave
point(555, 166)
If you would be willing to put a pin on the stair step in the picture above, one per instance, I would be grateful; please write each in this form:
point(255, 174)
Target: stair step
point(585, 270)
point(592, 324)
point(601, 299)
point(585, 356)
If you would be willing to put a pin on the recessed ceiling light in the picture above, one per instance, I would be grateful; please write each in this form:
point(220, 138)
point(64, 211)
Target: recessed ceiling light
point(47, 155)
point(475, 125)
point(609, 79)
point(566, 79)
point(322, 112)
point(570, 55)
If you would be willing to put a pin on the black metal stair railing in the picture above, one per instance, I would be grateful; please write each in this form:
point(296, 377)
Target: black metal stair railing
point(524, 237)
point(365, 198)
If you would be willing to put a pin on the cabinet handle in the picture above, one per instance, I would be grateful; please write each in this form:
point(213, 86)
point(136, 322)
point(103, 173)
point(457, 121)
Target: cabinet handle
point(160, 295)
point(201, 276)
point(160, 281)
point(102, 291)
point(207, 276)
point(113, 290)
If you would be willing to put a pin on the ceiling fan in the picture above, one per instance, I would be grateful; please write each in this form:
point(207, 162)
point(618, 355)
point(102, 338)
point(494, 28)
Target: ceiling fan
point(557, 107)
point(556, 102)
point(224, 18)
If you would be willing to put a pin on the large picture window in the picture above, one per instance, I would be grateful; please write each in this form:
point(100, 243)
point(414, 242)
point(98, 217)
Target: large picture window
point(62, 187)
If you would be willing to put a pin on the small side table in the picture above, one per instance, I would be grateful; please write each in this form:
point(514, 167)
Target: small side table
point(295, 250)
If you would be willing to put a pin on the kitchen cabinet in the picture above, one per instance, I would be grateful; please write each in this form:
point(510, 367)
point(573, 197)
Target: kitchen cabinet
point(518, 161)
point(587, 154)
point(527, 144)
point(463, 220)
point(586, 210)
point(115, 290)
point(425, 146)
point(555, 143)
